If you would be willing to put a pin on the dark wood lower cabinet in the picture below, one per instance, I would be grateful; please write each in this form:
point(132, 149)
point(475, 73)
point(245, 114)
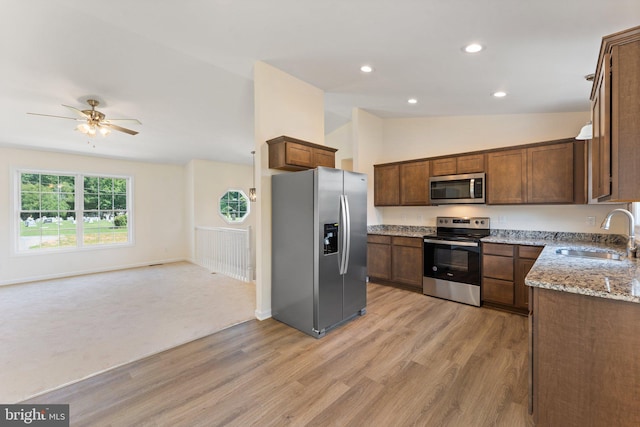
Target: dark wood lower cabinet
point(504, 268)
point(585, 363)
point(379, 256)
point(395, 259)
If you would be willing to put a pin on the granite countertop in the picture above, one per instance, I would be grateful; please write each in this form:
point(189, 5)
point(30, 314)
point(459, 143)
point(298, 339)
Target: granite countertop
point(400, 230)
point(619, 280)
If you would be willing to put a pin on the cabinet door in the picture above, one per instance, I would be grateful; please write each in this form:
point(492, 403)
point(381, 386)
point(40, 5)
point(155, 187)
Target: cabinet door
point(298, 155)
point(521, 290)
point(550, 174)
point(386, 185)
point(379, 260)
point(446, 166)
point(497, 291)
point(414, 183)
point(506, 177)
point(471, 164)
point(406, 265)
point(324, 158)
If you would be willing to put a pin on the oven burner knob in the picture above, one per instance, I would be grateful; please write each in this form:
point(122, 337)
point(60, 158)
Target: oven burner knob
point(434, 268)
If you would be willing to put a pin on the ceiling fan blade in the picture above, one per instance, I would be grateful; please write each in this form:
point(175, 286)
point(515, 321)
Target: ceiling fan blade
point(136, 121)
point(77, 111)
point(57, 117)
point(118, 128)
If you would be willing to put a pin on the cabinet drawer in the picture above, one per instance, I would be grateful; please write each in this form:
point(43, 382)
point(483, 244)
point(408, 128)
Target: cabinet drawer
point(497, 267)
point(376, 238)
point(495, 290)
point(407, 241)
point(530, 252)
point(497, 249)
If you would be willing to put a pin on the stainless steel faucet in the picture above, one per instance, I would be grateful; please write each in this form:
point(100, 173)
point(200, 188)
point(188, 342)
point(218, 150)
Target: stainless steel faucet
point(632, 249)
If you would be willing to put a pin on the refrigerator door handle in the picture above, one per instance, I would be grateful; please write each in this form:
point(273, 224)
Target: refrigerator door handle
point(347, 234)
point(343, 229)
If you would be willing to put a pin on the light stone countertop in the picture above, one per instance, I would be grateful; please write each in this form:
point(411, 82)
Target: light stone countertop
point(618, 280)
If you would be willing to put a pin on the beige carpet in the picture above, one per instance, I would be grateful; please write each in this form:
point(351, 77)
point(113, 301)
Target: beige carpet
point(57, 332)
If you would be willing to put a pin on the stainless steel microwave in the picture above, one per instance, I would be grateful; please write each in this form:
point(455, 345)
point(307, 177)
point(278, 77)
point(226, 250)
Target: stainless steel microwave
point(457, 189)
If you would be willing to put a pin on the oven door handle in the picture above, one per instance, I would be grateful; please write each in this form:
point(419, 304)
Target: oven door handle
point(451, 242)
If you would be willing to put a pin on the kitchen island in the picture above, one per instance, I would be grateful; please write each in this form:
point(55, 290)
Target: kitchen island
point(584, 338)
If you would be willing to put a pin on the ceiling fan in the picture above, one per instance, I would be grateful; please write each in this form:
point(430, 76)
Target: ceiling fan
point(94, 121)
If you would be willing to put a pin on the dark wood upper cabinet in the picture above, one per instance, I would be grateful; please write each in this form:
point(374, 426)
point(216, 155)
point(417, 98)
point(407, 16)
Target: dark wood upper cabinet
point(550, 174)
point(414, 183)
point(615, 148)
point(507, 177)
point(539, 173)
point(471, 163)
point(291, 154)
point(386, 185)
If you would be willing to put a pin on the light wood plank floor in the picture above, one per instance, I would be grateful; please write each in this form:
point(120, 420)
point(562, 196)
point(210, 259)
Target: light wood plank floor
point(411, 360)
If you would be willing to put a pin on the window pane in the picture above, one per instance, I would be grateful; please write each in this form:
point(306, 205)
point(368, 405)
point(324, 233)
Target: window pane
point(67, 184)
point(90, 185)
point(29, 201)
point(30, 182)
point(90, 202)
point(106, 201)
point(120, 186)
point(120, 201)
point(106, 185)
point(49, 201)
point(67, 201)
point(49, 183)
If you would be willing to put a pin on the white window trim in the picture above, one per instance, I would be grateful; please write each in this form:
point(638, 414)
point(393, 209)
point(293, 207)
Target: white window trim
point(15, 205)
point(248, 206)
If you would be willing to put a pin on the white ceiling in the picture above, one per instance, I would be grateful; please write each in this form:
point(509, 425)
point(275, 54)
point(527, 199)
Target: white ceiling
point(184, 68)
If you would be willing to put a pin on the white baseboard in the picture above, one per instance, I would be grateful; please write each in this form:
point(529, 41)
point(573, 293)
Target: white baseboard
point(262, 315)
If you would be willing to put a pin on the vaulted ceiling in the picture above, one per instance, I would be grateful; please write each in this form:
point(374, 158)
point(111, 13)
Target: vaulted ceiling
point(184, 68)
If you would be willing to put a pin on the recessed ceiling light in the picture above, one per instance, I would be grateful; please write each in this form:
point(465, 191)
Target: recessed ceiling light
point(366, 68)
point(499, 94)
point(412, 101)
point(473, 48)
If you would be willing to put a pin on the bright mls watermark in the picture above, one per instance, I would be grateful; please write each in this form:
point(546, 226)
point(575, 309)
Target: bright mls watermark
point(34, 415)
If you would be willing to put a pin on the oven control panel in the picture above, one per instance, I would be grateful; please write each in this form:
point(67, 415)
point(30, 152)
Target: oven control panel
point(466, 222)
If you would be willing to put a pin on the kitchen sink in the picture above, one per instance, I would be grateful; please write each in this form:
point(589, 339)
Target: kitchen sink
point(588, 254)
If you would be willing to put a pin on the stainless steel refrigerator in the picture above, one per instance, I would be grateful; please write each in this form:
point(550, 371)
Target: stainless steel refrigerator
point(318, 252)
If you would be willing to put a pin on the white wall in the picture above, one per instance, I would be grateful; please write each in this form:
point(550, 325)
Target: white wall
point(411, 138)
point(159, 214)
point(207, 181)
point(342, 139)
point(283, 105)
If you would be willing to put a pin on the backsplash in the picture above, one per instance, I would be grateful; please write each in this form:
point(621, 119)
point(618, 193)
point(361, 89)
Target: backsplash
point(410, 229)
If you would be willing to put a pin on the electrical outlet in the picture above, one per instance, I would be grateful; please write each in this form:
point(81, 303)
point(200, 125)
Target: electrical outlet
point(591, 221)
point(420, 217)
point(404, 218)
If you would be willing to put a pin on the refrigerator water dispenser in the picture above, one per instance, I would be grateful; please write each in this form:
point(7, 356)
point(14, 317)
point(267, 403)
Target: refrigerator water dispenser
point(330, 238)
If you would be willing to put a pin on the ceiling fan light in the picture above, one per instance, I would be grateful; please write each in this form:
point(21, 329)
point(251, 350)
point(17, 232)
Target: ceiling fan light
point(84, 128)
point(104, 131)
point(91, 131)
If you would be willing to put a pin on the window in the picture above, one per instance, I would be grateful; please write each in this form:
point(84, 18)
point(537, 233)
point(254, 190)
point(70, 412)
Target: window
point(234, 206)
point(68, 211)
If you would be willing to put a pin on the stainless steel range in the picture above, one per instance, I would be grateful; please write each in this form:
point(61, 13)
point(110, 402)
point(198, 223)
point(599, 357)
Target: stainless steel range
point(452, 259)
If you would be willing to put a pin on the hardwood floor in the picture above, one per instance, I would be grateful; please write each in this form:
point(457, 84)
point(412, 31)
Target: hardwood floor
point(411, 360)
